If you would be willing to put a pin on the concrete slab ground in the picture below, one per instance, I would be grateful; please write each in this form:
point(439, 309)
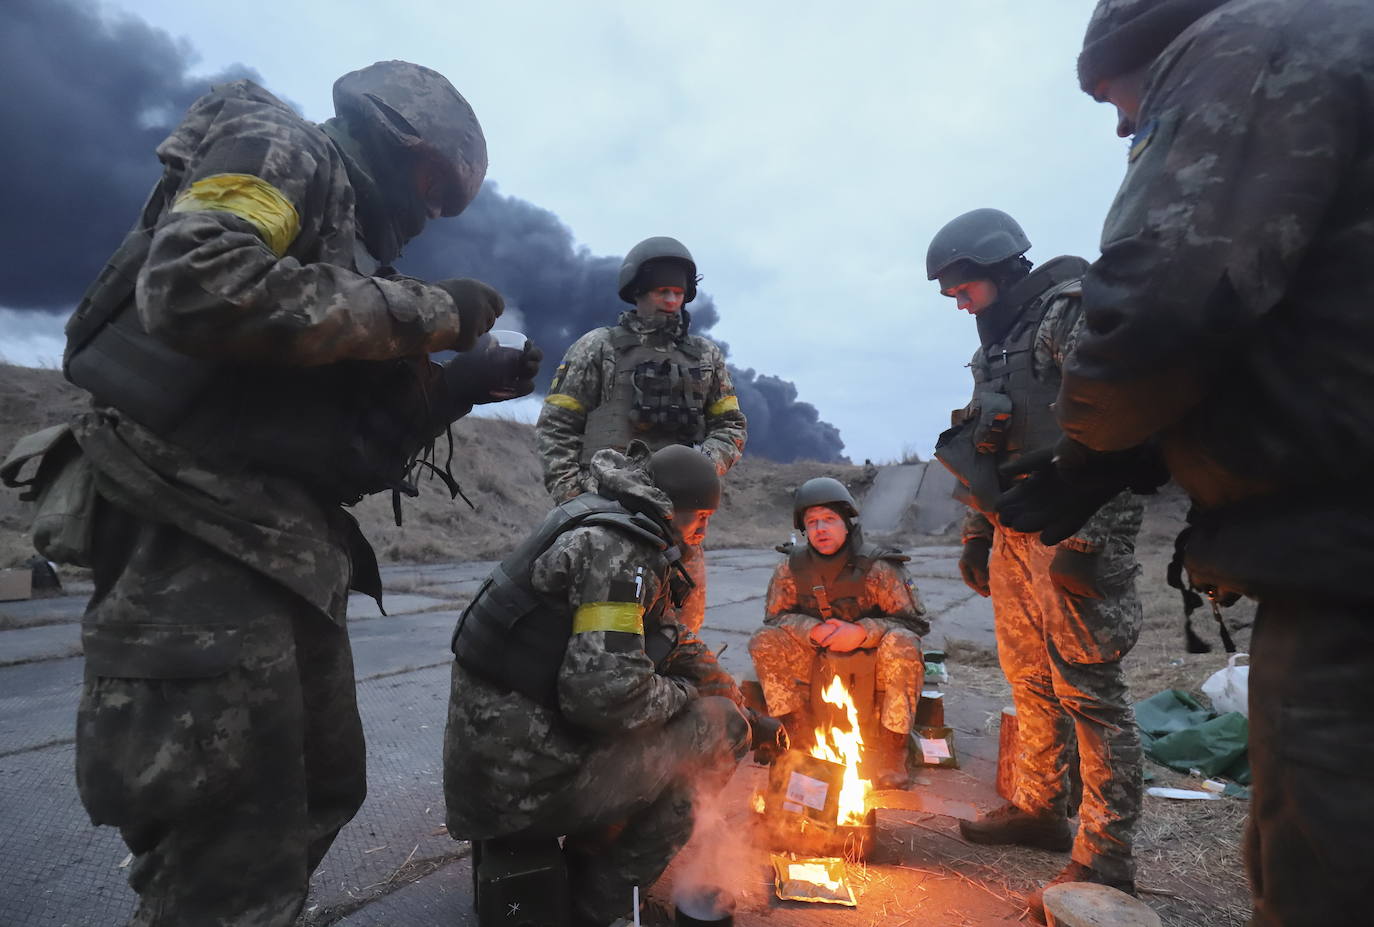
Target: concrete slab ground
point(394, 863)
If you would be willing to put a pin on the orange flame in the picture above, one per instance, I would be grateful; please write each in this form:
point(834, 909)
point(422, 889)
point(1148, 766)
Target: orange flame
point(846, 748)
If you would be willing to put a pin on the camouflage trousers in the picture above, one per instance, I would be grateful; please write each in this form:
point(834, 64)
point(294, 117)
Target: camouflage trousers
point(218, 728)
point(784, 664)
point(692, 613)
point(629, 810)
point(1312, 759)
point(1062, 655)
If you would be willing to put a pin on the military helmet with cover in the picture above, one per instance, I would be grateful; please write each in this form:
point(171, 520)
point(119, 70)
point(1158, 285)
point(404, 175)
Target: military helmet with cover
point(407, 107)
point(1126, 35)
point(687, 477)
point(658, 248)
point(983, 236)
point(823, 490)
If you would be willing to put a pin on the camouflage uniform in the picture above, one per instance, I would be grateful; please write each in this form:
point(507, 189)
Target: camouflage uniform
point(616, 761)
point(586, 379)
point(1229, 318)
point(218, 727)
point(1062, 653)
point(892, 614)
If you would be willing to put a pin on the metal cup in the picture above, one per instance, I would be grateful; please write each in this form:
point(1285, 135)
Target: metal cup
point(507, 347)
point(704, 906)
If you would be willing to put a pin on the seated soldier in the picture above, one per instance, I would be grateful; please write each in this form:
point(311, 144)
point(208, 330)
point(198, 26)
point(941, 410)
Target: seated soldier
point(577, 708)
point(835, 593)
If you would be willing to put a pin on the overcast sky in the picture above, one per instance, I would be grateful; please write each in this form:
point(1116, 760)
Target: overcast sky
point(805, 153)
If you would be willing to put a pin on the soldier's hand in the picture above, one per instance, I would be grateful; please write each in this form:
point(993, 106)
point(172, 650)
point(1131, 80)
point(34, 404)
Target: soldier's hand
point(767, 737)
point(973, 565)
point(1065, 486)
point(1075, 572)
point(490, 373)
point(847, 636)
point(478, 305)
point(821, 632)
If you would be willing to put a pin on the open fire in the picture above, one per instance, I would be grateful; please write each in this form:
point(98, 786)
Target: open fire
point(817, 801)
point(845, 747)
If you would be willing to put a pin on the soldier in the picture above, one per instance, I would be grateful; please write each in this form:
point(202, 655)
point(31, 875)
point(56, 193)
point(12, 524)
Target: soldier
point(838, 593)
point(1228, 325)
point(267, 368)
point(645, 377)
point(1064, 616)
point(579, 708)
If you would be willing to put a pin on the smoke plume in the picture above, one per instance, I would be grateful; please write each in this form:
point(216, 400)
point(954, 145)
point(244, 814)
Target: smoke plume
point(81, 141)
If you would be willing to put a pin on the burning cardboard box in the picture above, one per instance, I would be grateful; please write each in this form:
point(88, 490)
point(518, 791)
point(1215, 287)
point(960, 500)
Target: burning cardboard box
point(816, 803)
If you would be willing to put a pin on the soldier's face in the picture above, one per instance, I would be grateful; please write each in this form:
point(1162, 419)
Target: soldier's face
point(825, 529)
point(691, 524)
point(1125, 93)
point(974, 296)
point(663, 299)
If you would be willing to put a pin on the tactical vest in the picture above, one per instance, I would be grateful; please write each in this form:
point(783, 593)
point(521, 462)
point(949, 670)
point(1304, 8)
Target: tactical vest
point(1012, 410)
point(658, 394)
point(514, 636)
point(842, 595)
point(345, 429)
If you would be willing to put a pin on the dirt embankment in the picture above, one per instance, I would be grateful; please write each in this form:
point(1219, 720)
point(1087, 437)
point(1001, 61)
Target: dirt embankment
point(495, 463)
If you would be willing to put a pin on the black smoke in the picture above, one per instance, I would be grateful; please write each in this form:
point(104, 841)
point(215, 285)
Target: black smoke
point(85, 101)
point(88, 97)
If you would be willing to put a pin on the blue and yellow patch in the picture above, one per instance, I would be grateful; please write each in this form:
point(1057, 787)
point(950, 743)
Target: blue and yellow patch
point(1141, 140)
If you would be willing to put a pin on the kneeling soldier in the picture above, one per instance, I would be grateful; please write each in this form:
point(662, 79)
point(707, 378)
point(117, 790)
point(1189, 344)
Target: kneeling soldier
point(579, 708)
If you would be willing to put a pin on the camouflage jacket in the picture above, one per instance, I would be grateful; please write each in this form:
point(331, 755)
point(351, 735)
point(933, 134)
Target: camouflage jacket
point(1229, 310)
point(506, 754)
point(584, 380)
point(1119, 520)
point(255, 260)
point(889, 599)
point(256, 254)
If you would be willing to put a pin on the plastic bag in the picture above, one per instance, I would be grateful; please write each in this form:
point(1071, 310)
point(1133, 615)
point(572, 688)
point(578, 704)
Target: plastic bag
point(1229, 688)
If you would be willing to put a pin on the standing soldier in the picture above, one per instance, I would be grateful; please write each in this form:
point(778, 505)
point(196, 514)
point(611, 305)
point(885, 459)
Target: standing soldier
point(839, 594)
point(579, 708)
point(265, 370)
point(645, 377)
point(1228, 325)
point(1065, 616)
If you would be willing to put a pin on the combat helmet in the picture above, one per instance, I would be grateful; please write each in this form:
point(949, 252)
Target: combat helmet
point(658, 248)
point(823, 490)
point(412, 108)
point(984, 237)
point(687, 477)
point(1124, 35)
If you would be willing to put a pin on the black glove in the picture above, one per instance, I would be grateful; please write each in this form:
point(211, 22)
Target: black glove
point(489, 373)
point(478, 307)
point(767, 737)
point(1065, 486)
point(1075, 572)
point(973, 565)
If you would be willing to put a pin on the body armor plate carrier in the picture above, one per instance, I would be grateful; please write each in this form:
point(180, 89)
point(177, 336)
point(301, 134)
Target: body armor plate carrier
point(1012, 412)
point(514, 636)
point(659, 396)
point(826, 589)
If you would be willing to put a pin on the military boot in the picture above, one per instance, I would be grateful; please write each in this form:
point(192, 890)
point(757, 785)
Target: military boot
point(1009, 824)
point(889, 766)
point(1074, 872)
